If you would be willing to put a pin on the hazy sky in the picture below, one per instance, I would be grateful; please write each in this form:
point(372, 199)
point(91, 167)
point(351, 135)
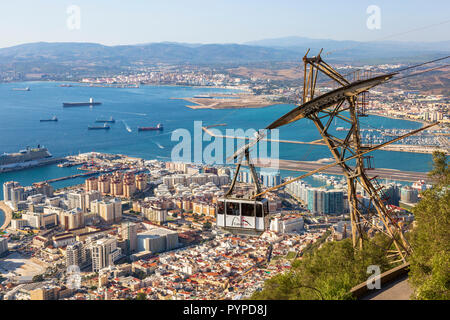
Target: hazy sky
point(218, 21)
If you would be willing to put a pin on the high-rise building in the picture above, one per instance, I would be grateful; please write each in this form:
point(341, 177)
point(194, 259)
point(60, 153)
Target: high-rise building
point(77, 199)
point(44, 188)
point(40, 219)
point(91, 184)
point(3, 245)
point(116, 186)
point(77, 254)
point(91, 196)
point(141, 181)
point(409, 195)
point(104, 252)
point(391, 194)
point(129, 187)
point(322, 201)
point(104, 184)
point(157, 240)
point(17, 195)
point(155, 213)
point(109, 210)
point(129, 234)
point(270, 178)
point(72, 219)
point(8, 188)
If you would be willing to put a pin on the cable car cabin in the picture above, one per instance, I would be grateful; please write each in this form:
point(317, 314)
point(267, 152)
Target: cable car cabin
point(249, 216)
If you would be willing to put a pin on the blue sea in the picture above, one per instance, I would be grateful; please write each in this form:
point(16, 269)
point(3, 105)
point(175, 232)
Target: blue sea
point(147, 106)
point(2, 217)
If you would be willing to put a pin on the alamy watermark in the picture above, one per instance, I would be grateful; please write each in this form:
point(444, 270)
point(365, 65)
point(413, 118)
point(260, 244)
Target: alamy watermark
point(373, 282)
point(374, 20)
point(73, 277)
point(218, 147)
point(73, 21)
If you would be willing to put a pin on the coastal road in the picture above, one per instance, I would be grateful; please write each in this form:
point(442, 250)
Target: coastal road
point(306, 166)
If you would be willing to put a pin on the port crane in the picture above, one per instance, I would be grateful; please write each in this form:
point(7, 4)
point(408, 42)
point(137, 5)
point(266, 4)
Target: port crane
point(347, 102)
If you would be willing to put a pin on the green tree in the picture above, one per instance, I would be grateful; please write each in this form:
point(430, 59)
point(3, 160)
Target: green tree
point(440, 172)
point(207, 225)
point(38, 278)
point(141, 296)
point(430, 239)
point(327, 273)
point(139, 274)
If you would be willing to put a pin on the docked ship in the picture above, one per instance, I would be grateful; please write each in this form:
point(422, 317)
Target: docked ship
point(159, 127)
point(104, 127)
point(54, 118)
point(27, 158)
point(80, 104)
point(110, 120)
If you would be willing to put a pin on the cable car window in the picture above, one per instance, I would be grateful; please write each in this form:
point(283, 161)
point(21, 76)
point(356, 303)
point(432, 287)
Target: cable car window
point(248, 209)
point(259, 210)
point(220, 207)
point(266, 208)
point(232, 208)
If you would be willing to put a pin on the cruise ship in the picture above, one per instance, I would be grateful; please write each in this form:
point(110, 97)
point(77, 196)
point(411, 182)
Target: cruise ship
point(27, 158)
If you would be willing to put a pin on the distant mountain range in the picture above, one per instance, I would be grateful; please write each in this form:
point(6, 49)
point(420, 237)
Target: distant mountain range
point(149, 53)
point(47, 57)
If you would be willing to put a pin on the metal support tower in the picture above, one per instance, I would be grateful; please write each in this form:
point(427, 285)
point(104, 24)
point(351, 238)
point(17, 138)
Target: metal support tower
point(349, 110)
point(253, 173)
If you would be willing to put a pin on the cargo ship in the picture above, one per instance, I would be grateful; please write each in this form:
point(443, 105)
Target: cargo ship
point(27, 158)
point(159, 127)
point(21, 89)
point(80, 104)
point(110, 120)
point(54, 118)
point(104, 127)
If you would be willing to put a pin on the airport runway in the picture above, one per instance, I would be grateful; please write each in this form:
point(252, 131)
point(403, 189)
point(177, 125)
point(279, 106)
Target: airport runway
point(306, 166)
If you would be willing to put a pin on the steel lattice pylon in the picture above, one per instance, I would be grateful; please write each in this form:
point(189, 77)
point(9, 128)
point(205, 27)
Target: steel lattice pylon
point(350, 145)
point(322, 109)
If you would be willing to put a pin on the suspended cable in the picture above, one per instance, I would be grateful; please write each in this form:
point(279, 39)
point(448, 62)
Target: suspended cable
point(418, 73)
point(391, 36)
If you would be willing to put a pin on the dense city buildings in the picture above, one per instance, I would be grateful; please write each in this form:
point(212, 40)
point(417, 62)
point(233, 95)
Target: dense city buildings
point(151, 226)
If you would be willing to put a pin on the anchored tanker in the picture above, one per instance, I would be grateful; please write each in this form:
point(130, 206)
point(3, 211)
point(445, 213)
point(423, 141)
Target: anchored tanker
point(110, 120)
point(104, 127)
point(54, 118)
point(80, 104)
point(159, 127)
